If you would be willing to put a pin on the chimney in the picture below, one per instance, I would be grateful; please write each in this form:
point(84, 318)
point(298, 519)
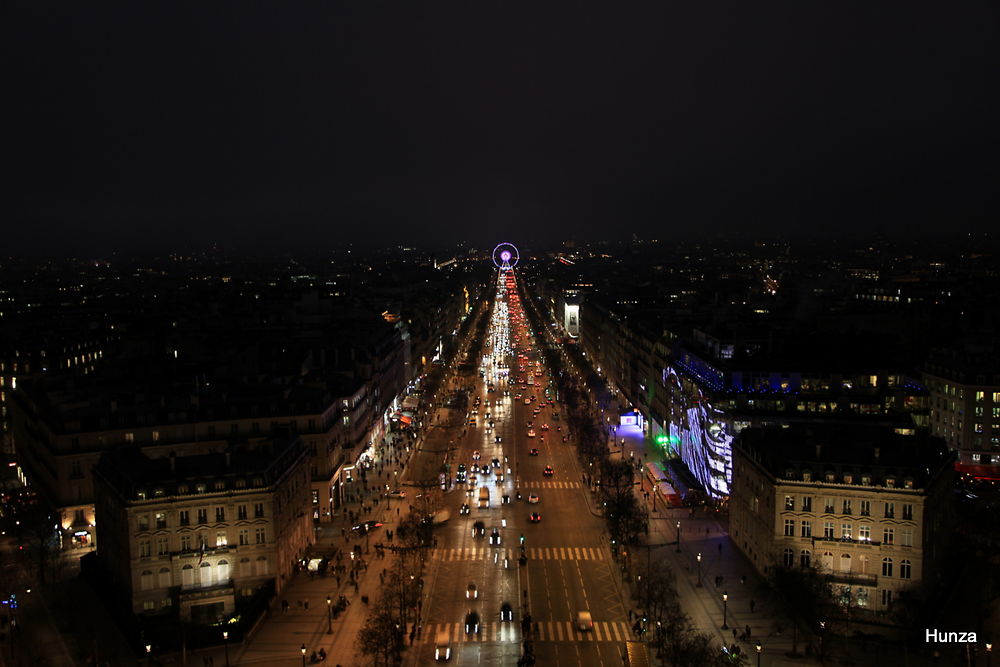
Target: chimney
point(228, 458)
point(819, 452)
point(173, 462)
point(877, 452)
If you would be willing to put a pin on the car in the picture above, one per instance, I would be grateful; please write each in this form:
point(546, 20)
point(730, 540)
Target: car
point(533, 499)
point(495, 537)
point(397, 494)
point(529, 424)
point(496, 462)
point(584, 621)
point(475, 411)
point(505, 499)
point(499, 477)
point(471, 592)
point(488, 416)
point(442, 646)
point(497, 439)
point(506, 612)
point(486, 470)
point(517, 397)
point(531, 433)
point(367, 527)
point(535, 517)
point(473, 480)
point(533, 451)
point(545, 427)
point(475, 455)
point(478, 529)
point(548, 472)
point(464, 509)
point(461, 467)
point(472, 623)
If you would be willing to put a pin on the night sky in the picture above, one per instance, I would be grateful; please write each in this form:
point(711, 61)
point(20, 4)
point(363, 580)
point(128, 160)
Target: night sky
point(308, 125)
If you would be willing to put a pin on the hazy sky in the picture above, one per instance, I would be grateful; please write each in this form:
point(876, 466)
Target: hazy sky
point(303, 125)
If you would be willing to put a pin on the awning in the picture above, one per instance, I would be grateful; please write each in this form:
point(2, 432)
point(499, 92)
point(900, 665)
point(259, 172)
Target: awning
point(979, 472)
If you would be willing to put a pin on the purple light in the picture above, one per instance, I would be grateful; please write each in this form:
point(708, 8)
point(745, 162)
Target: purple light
point(505, 255)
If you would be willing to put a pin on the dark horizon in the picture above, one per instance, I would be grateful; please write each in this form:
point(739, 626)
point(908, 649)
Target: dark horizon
point(301, 128)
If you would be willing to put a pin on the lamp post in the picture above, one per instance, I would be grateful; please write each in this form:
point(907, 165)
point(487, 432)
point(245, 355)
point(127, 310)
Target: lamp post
point(725, 609)
point(822, 631)
point(225, 645)
point(989, 654)
point(303, 649)
point(329, 615)
point(760, 649)
point(699, 570)
point(678, 536)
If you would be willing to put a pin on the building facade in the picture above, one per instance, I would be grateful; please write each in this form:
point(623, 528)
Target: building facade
point(964, 385)
point(868, 507)
point(191, 535)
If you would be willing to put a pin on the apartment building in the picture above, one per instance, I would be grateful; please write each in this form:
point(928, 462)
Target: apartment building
point(964, 385)
point(866, 506)
point(192, 535)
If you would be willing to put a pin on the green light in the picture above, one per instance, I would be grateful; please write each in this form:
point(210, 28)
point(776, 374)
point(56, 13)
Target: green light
point(662, 439)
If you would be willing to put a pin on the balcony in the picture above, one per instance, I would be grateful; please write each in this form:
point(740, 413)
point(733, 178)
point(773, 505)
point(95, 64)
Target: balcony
point(854, 578)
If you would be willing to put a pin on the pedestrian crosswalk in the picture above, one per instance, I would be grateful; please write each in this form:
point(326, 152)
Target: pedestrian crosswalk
point(546, 484)
point(545, 631)
point(536, 553)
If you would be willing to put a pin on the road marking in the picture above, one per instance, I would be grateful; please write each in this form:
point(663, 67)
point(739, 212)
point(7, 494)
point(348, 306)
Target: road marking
point(551, 485)
point(564, 553)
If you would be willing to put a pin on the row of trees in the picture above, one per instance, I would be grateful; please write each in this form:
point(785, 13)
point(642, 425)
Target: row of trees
point(383, 636)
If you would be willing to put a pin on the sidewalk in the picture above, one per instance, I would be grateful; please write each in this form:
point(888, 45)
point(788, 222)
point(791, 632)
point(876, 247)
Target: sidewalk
point(281, 635)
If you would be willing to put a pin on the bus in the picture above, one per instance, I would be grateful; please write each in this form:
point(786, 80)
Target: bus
point(484, 498)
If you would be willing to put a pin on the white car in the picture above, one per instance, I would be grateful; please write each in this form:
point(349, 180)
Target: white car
point(475, 455)
point(533, 499)
point(531, 433)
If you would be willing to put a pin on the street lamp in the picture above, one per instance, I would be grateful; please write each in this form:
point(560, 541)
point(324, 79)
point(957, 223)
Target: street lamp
point(989, 654)
point(678, 535)
point(329, 615)
point(699, 570)
point(225, 644)
point(760, 649)
point(303, 649)
point(822, 631)
point(725, 609)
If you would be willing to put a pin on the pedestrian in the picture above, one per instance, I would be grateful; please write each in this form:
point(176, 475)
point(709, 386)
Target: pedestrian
point(752, 605)
point(748, 631)
point(720, 548)
point(734, 634)
point(306, 605)
point(355, 586)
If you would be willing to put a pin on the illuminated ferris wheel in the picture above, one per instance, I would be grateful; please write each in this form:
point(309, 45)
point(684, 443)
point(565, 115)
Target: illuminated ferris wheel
point(505, 256)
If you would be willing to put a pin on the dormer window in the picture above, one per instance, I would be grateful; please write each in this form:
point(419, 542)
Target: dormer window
point(201, 488)
point(141, 494)
point(182, 489)
point(220, 486)
point(890, 482)
point(848, 478)
point(158, 493)
point(866, 480)
point(789, 474)
point(807, 475)
point(908, 483)
point(830, 478)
